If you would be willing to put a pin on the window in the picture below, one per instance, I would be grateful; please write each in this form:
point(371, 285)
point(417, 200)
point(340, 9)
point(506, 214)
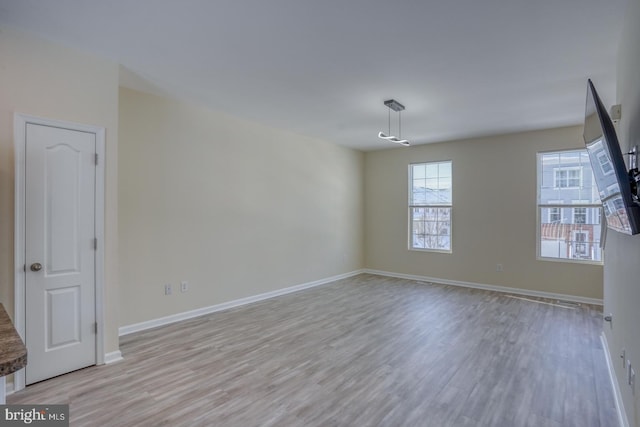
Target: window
point(430, 204)
point(555, 215)
point(568, 233)
point(605, 163)
point(579, 244)
point(567, 177)
point(579, 215)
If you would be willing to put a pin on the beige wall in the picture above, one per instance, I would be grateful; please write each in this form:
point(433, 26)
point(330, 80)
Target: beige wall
point(235, 208)
point(238, 209)
point(494, 214)
point(46, 80)
point(622, 262)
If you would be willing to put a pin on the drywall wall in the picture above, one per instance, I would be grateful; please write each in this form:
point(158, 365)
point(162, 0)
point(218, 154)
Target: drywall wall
point(494, 214)
point(234, 208)
point(43, 79)
point(622, 253)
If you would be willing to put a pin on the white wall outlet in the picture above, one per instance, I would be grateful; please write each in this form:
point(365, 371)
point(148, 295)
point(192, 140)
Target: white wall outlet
point(184, 286)
point(499, 268)
point(167, 289)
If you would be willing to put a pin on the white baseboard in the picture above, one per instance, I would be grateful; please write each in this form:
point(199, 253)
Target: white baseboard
point(617, 393)
point(505, 289)
point(9, 388)
point(113, 357)
point(137, 327)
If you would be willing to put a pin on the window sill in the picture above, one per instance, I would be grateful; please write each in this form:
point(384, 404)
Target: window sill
point(570, 261)
point(437, 251)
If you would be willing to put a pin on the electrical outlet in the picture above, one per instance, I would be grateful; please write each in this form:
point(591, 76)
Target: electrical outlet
point(167, 289)
point(184, 286)
point(499, 268)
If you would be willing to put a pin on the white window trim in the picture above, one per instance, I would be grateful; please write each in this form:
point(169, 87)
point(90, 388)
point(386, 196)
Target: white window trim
point(412, 206)
point(540, 206)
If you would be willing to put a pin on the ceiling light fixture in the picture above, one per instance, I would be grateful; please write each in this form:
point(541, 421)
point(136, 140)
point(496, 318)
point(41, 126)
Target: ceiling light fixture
point(394, 105)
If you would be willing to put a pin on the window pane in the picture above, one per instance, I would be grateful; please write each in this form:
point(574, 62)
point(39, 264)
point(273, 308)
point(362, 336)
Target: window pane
point(574, 178)
point(431, 169)
point(432, 183)
point(419, 171)
point(419, 196)
point(432, 197)
point(566, 175)
point(570, 240)
point(445, 196)
point(419, 183)
point(444, 169)
point(431, 228)
point(444, 243)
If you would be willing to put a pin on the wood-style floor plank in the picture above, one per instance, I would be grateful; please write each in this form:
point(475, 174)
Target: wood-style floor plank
point(364, 351)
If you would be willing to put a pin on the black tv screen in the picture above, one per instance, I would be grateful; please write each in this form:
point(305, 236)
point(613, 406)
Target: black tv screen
point(621, 207)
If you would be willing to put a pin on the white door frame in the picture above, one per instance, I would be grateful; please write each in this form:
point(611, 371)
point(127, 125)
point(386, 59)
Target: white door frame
point(19, 132)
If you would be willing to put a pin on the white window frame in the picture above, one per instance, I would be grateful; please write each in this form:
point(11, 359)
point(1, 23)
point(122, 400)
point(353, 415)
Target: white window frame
point(438, 206)
point(559, 204)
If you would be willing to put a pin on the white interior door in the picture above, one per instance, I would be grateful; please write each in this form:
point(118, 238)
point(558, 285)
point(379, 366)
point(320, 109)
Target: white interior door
point(60, 260)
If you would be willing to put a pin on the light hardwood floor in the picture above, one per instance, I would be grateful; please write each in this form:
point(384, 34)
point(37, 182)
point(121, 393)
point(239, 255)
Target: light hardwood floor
point(364, 351)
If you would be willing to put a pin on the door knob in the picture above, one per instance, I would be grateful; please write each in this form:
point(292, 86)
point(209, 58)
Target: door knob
point(36, 266)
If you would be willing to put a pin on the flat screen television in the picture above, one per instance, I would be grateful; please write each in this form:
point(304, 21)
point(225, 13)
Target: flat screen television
point(616, 186)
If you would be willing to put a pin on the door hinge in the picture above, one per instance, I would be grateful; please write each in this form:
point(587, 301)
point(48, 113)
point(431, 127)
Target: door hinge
point(96, 159)
point(95, 327)
point(95, 243)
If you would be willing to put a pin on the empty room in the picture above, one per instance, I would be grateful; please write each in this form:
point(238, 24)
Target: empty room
point(286, 213)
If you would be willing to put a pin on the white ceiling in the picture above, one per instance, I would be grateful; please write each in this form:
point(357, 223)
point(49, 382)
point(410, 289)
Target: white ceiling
point(323, 68)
